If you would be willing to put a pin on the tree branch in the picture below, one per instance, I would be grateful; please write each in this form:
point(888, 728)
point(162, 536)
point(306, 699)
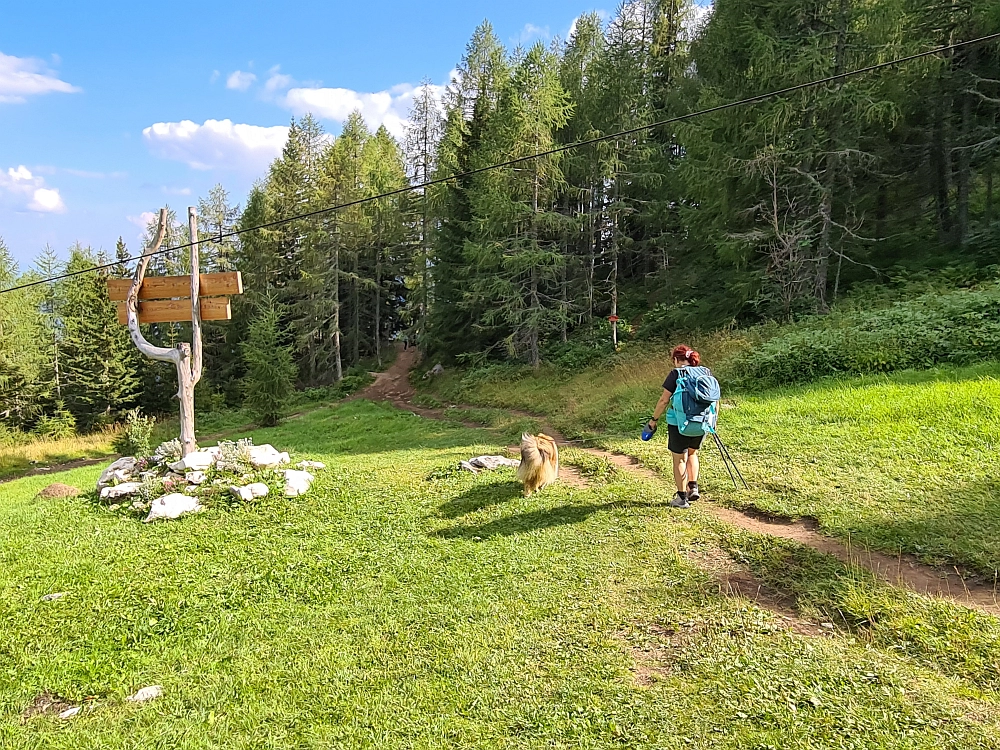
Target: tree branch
point(132, 301)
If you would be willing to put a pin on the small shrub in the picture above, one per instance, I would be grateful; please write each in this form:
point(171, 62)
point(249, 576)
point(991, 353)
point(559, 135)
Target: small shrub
point(169, 451)
point(235, 457)
point(60, 425)
point(961, 327)
point(133, 440)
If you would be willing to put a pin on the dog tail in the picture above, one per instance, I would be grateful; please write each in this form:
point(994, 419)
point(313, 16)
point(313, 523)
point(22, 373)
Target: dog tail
point(530, 455)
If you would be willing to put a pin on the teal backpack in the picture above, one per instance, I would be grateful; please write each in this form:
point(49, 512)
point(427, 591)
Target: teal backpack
point(694, 401)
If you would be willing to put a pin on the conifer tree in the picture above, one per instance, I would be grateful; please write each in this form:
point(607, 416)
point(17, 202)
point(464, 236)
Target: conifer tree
point(269, 380)
point(423, 136)
point(100, 359)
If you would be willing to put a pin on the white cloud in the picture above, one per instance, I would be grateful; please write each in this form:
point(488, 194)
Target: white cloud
point(277, 81)
point(21, 77)
point(95, 175)
point(530, 33)
point(47, 200)
point(26, 191)
point(143, 220)
point(217, 144)
point(240, 81)
point(389, 108)
point(214, 77)
point(167, 190)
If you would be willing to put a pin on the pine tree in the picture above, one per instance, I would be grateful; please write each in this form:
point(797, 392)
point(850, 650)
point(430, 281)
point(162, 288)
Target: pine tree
point(517, 248)
point(23, 345)
point(470, 106)
point(268, 383)
point(423, 136)
point(100, 360)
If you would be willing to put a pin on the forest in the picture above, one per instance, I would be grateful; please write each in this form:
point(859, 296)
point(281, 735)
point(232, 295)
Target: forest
point(773, 211)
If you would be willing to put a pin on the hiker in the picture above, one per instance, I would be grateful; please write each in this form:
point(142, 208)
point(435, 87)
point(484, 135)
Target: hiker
point(684, 447)
point(406, 341)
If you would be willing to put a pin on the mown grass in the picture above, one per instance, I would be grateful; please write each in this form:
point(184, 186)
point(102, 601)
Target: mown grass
point(402, 604)
point(903, 462)
point(19, 457)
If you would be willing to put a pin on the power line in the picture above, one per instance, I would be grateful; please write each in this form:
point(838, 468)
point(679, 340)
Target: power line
point(521, 159)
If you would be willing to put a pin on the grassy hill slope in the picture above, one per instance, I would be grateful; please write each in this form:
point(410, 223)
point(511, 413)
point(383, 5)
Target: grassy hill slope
point(900, 462)
point(402, 604)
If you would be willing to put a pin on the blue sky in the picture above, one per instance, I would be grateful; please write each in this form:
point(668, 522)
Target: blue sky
point(109, 110)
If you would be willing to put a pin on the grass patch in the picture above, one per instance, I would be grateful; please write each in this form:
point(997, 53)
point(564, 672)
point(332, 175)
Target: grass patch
point(899, 462)
point(19, 458)
point(403, 605)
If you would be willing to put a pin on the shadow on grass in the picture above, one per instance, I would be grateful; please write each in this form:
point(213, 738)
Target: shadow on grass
point(961, 530)
point(479, 497)
point(942, 636)
point(545, 518)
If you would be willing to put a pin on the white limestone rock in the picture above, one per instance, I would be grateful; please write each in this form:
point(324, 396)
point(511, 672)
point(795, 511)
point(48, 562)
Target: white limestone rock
point(197, 461)
point(126, 489)
point(172, 506)
point(146, 694)
point(195, 477)
point(268, 457)
point(492, 463)
point(313, 465)
point(120, 471)
point(250, 491)
point(297, 482)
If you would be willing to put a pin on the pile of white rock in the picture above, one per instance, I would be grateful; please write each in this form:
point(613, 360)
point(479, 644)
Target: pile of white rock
point(130, 482)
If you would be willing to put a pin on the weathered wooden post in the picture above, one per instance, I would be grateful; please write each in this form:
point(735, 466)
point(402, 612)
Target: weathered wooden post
point(169, 307)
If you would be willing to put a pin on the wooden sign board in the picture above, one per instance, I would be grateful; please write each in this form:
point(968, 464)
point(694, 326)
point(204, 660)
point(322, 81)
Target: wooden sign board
point(178, 310)
point(169, 287)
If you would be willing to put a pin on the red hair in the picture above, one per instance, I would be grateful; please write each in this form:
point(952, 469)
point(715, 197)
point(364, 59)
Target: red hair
point(686, 353)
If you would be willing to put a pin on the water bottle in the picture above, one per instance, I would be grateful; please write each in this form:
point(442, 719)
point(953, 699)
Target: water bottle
point(647, 433)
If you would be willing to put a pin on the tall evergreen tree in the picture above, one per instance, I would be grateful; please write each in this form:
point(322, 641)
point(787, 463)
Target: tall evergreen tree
point(101, 363)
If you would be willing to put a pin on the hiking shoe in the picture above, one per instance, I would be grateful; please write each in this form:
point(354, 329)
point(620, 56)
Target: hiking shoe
point(680, 501)
point(693, 493)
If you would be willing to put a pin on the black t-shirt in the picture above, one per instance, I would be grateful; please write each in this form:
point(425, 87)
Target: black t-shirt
point(670, 384)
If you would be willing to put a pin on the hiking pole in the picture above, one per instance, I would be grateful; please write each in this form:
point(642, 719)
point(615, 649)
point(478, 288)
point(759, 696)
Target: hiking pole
point(725, 448)
point(718, 444)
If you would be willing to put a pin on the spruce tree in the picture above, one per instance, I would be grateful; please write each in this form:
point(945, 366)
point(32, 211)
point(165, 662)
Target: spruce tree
point(101, 379)
point(269, 381)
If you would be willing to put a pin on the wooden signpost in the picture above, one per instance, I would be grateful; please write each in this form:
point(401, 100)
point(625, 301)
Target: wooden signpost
point(175, 299)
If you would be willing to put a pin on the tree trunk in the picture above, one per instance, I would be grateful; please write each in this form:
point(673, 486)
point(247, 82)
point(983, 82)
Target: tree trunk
point(941, 160)
point(378, 306)
point(337, 359)
point(988, 212)
point(533, 325)
point(614, 267)
point(186, 358)
point(356, 311)
point(964, 173)
point(425, 270)
point(825, 249)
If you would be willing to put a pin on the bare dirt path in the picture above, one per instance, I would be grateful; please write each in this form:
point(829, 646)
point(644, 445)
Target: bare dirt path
point(907, 571)
point(57, 468)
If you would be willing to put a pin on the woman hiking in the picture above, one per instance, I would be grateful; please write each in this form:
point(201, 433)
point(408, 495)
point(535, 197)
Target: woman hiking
point(684, 449)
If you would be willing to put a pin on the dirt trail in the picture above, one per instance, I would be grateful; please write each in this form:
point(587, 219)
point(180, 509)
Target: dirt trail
point(394, 386)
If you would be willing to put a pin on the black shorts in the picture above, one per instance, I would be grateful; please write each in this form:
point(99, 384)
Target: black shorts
point(677, 443)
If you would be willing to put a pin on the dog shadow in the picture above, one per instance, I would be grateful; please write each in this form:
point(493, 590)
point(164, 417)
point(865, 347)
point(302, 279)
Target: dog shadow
point(479, 497)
